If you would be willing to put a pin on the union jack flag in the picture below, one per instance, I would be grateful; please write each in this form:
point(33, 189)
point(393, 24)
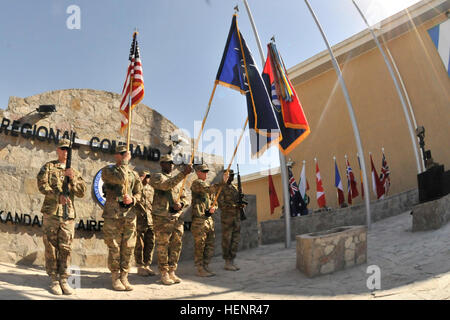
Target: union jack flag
point(296, 202)
point(135, 76)
point(384, 175)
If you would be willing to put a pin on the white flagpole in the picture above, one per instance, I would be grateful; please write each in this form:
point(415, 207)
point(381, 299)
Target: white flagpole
point(402, 100)
point(350, 111)
point(283, 167)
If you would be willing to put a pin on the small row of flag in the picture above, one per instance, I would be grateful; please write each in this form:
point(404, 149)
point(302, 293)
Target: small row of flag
point(299, 199)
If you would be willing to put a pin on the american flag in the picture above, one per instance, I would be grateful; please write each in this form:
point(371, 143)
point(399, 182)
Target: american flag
point(384, 175)
point(136, 76)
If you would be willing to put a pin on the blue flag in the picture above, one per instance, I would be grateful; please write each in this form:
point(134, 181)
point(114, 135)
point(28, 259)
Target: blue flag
point(238, 71)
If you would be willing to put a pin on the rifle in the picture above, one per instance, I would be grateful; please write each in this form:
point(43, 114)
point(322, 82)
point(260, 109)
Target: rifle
point(65, 187)
point(241, 201)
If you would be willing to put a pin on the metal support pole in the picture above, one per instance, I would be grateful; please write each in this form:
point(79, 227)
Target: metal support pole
point(350, 111)
point(402, 100)
point(283, 168)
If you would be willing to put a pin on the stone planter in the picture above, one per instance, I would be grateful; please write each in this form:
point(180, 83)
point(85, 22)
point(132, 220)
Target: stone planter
point(324, 252)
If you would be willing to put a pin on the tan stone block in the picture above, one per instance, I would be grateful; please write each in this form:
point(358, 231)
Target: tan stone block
point(328, 249)
point(361, 259)
point(362, 237)
point(75, 104)
point(348, 242)
point(349, 263)
point(327, 268)
point(349, 255)
point(3, 153)
point(30, 186)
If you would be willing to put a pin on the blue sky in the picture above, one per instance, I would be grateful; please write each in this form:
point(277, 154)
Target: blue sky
point(181, 46)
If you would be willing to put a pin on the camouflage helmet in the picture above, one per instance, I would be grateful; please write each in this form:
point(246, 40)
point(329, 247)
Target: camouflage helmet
point(166, 158)
point(202, 167)
point(144, 172)
point(64, 143)
point(120, 148)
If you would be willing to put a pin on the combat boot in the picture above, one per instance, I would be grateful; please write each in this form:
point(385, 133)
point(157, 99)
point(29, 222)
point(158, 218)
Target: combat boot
point(124, 280)
point(116, 284)
point(201, 272)
point(55, 287)
point(229, 266)
point(67, 290)
point(142, 271)
point(150, 271)
point(165, 278)
point(234, 265)
point(206, 267)
point(174, 277)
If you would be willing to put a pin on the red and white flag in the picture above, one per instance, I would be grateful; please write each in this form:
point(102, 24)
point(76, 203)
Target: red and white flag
point(135, 76)
point(378, 189)
point(320, 194)
point(352, 189)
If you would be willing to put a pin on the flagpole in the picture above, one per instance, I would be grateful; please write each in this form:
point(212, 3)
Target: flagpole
point(337, 187)
point(350, 110)
point(216, 198)
point(397, 87)
point(191, 161)
point(129, 95)
point(283, 167)
point(129, 106)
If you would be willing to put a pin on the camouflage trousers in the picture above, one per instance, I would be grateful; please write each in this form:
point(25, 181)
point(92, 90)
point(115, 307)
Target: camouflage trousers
point(58, 236)
point(231, 233)
point(120, 237)
point(204, 238)
point(169, 236)
point(145, 243)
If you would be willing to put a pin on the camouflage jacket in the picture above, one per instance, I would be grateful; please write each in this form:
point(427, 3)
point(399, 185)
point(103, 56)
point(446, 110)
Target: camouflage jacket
point(50, 181)
point(144, 207)
point(228, 198)
point(114, 185)
point(167, 188)
point(202, 198)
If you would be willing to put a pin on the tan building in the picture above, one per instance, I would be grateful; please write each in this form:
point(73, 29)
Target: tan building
point(377, 107)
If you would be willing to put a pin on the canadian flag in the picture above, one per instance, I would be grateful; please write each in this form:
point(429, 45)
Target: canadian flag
point(320, 194)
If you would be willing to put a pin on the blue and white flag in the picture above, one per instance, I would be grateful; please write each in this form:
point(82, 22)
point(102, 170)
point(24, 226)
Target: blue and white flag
point(238, 71)
point(440, 35)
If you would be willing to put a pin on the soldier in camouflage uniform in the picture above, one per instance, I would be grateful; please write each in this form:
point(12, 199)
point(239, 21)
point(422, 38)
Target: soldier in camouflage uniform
point(145, 238)
point(166, 212)
point(123, 189)
point(59, 230)
point(230, 219)
point(202, 225)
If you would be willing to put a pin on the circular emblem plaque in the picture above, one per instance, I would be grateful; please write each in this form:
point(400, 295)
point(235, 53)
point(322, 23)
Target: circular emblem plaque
point(98, 188)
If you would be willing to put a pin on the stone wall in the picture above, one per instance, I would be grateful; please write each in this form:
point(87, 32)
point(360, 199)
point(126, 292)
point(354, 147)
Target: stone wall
point(89, 113)
point(325, 252)
point(274, 231)
point(431, 215)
